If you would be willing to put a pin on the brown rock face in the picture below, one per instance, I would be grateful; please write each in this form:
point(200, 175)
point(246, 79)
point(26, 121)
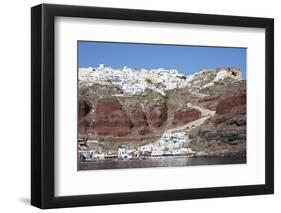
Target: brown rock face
point(110, 119)
point(186, 115)
point(229, 128)
point(84, 125)
point(139, 119)
point(227, 117)
point(157, 115)
point(209, 103)
point(225, 133)
point(84, 108)
point(227, 104)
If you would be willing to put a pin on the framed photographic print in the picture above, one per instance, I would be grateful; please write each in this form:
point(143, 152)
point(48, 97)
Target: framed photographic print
point(139, 106)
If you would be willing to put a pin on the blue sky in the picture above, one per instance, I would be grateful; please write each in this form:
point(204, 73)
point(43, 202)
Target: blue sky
point(186, 59)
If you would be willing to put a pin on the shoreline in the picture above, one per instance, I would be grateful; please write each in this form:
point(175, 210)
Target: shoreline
point(159, 162)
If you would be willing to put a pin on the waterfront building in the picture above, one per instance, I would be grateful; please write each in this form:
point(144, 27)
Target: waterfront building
point(157, 152)
point(98, 156)
point(124, 153)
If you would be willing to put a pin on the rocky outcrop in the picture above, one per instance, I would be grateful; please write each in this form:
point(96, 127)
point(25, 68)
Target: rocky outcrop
point(84, 125)
point(182, 116)
point(84, 109)
point(116, 117)
point(209, 103)
point(157, 115)
point(224, 134)
point(227, 104)
point(230, 117)
point(139, 119)
point(110, 119)
point(206, 79)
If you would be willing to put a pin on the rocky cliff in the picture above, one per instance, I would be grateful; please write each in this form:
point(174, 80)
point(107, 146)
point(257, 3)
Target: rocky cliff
point(224, 134)
point(114, 116)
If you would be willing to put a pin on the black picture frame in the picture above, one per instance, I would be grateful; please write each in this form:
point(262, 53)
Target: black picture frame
point(43, 105)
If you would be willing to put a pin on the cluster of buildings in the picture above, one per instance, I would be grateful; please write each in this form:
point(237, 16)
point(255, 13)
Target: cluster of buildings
point(170, 144)
point(135, 81)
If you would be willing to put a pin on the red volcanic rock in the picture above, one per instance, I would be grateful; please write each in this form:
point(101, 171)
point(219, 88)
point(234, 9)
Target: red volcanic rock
point(157, 115)
point(84, 125)
point(221, 118)
point(227, 104)
point(110, 119)
point(182, 116)
point(209, 103)
point(139, 119)
point(144, 130)
point(108, 105)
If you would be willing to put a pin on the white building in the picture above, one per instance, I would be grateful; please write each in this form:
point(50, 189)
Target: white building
point(123, 153)
point(157, 152)
point(134, 81)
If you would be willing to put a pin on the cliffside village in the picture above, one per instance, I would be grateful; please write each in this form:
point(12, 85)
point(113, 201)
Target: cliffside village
point(135, 82)
point(170, 144)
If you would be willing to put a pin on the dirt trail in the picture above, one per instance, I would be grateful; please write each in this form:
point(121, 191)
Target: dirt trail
point(205, 113)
